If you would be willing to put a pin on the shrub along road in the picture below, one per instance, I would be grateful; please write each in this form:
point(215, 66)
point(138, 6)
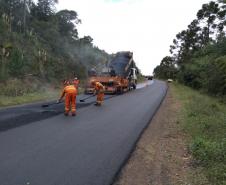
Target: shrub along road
point(83, 150)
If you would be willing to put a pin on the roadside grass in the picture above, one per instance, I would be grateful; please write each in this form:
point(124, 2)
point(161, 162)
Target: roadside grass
point(28, 98)
point(203, 118)
point(51, 94)
point(16, 92)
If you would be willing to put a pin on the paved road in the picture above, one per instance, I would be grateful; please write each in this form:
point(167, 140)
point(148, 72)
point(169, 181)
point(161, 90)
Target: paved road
point(24, 114)
point(85, 150)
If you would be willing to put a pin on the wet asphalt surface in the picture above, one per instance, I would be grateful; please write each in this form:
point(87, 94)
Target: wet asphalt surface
point(88, 149)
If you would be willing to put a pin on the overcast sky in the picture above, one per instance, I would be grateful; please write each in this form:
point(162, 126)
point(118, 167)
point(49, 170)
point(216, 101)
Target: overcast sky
point(145, 27)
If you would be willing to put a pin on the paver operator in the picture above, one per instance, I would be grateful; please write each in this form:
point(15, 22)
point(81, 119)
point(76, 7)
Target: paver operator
point(99, 91)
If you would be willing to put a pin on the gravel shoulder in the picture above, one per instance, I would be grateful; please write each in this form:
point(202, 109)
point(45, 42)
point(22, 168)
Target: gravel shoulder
point(161, 156)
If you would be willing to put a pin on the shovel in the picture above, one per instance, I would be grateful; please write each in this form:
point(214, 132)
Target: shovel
point(47, 105)
point(83, 100)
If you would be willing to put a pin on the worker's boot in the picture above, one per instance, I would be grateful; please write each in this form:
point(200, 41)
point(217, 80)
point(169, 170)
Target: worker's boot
point(73, 114)
point(66, 113)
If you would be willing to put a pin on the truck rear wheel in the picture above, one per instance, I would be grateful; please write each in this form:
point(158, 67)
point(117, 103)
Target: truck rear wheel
point(119, 91)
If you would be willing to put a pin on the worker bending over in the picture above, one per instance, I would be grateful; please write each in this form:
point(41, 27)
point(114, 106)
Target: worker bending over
point(70, 93)
point(99, 91)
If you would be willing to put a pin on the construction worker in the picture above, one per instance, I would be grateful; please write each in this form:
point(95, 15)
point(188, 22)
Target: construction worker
point(99, 91)
point(76, 82)
point(70, 93)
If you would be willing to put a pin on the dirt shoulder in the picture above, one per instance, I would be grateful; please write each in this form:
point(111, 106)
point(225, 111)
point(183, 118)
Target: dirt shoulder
point(161, 156)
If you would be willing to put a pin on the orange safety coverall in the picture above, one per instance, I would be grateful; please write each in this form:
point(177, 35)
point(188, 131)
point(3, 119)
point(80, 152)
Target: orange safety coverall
point(70, 93)
point(76, 83)
point(99, 88)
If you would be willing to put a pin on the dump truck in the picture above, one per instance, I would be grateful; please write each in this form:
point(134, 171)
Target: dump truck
point(120, 75)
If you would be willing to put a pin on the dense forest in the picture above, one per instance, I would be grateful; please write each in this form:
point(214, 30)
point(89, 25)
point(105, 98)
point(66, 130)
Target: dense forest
point(198, 53)
point(39, 44)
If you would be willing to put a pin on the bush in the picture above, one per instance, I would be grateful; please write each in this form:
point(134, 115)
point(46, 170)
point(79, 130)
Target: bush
point(16, 87)
point(16, 63)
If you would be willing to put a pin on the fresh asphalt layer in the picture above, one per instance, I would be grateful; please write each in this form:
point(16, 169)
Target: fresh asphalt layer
point(24, 114)
point(88, 149)
point(15, 116)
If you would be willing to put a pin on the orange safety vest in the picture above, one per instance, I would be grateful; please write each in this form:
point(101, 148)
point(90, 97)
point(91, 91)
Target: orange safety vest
point(69, 89)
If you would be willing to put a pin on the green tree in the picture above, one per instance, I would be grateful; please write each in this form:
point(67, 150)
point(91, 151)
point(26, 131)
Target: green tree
point(67, 21)
point(51, 48)
point(166, 69)
point(45, 9)
point(208, 16)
